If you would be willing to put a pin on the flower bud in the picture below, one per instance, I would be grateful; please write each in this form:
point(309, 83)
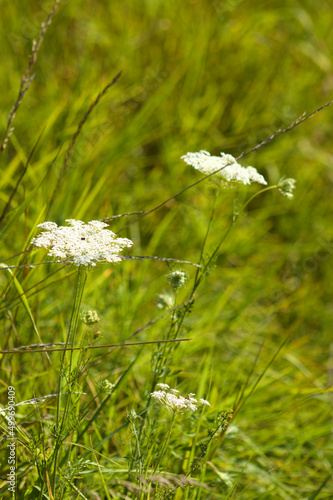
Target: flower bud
point(177, 279)
point(286, 187)
point(90, 317)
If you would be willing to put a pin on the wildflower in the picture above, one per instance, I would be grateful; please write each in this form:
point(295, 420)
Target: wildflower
point(132, 416)
point(90, 318)
point(165, 300)
point(232, 173)
point(177, 279)
point(163, 387)
point(83, 244)
point(173, 403)
point(286, 187)
point(204, 402)
point(105, 386)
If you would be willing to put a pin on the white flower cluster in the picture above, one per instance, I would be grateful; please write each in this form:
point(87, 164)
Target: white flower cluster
point(232, 173)
point(176, 404)
point(83, 244)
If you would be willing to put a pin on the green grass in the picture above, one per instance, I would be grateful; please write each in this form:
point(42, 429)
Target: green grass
point(219, 76)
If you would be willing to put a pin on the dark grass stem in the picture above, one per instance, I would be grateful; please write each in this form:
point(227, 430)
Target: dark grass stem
point(28, 76)
point(75, 137)
point(30, 349)
point(269, 139)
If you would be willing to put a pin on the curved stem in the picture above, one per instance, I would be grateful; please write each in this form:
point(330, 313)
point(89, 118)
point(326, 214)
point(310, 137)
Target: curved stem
point(255, 195)
point(234, 220)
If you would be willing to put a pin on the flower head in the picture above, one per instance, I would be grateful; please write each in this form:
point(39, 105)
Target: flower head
point(232, 173)
point(165, 300)
point(177, 278)
point(176, 404)
point(286, 187)
point(105, 386)
point(90, 318)
point(83, 244)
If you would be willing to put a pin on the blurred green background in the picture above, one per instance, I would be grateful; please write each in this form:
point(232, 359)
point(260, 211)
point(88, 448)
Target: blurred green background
point(218, 76)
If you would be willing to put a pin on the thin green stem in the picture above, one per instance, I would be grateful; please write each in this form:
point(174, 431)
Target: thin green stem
point(166, 442)
point(201, 456)
point(60, 420)
point(233, 222)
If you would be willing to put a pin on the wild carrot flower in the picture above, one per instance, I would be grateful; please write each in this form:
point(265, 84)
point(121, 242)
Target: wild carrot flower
point(80, 243)
point(176, 404)
point(232, 173)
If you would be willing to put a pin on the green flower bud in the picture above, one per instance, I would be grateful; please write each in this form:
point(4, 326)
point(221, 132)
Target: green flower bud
point(90, 317)
point(177, 279)
point(286, 187)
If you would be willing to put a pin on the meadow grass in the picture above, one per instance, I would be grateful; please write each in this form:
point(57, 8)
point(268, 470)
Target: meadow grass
point(218, 76)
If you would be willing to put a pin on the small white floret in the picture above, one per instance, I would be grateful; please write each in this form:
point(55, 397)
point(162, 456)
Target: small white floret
point(163, 387)
point(204, 402)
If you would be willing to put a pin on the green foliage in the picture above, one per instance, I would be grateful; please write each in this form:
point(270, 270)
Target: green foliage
point(218, 76)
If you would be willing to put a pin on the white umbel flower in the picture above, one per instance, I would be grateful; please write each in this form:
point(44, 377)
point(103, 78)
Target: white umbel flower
point(286, 187)
point(232, 173)
point(174, 403)
point(80, 243)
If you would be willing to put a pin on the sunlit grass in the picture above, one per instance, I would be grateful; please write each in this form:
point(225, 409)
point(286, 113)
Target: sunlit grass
point(216, 76)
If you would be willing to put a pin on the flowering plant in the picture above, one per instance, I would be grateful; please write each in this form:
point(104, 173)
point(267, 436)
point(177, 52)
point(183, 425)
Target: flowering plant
point(83, 244)
point(230, 173)
point(176, 404)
